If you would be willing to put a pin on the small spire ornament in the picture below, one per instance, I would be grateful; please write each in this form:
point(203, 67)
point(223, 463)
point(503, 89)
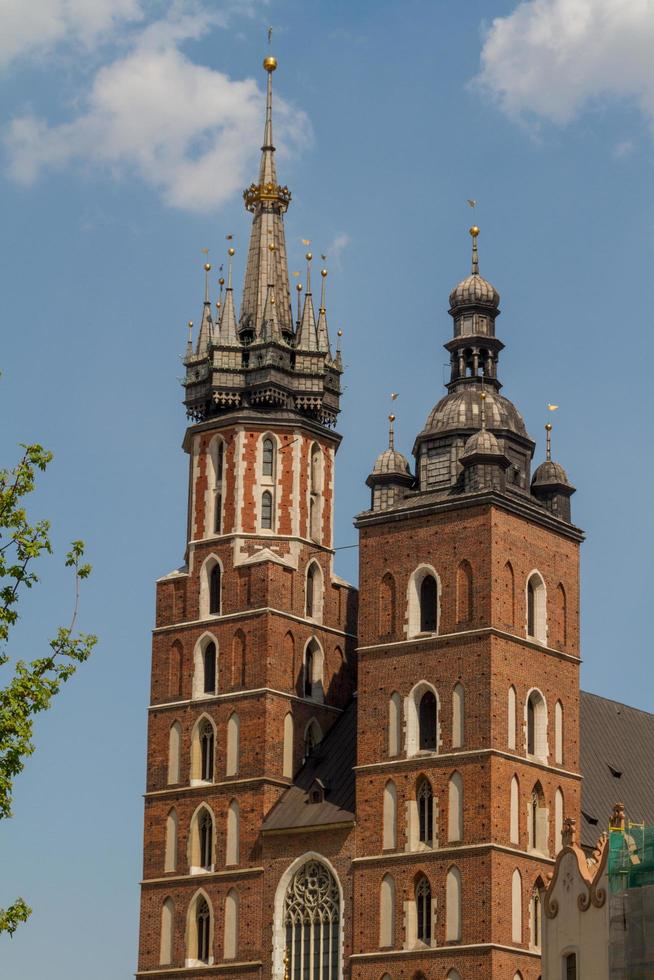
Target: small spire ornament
point(391, 431)
point(323, 273)
point(548, 439)
point(474, 234)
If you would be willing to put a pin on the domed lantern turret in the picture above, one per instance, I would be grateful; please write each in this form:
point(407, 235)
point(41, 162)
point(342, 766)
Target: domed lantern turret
point(483, 460)
point(550, 484)
point(391, 476)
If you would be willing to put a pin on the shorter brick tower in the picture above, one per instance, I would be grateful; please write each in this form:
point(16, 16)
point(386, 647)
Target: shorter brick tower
point(253, 648)
point(468, 692)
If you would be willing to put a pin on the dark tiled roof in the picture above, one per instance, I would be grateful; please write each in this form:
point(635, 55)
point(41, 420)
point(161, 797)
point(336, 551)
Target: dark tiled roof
point(332, 762)
point(614, 739)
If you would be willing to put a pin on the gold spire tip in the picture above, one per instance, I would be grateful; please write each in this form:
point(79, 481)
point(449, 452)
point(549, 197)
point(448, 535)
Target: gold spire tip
point(474, 231)
point(190, 324)
point(207, 267)
point(271, 246)
point(548, 426)
point(323, 272)
point(299, 287)
point(231, 251)
point(309, 256)
point(391, 418)
point(339, 333)
point(270, 63)
point(221, 281)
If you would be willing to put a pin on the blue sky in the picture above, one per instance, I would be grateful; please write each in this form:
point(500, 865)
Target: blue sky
point(129, 129)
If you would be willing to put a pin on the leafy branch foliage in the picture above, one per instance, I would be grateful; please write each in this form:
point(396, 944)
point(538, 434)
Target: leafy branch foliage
point(33, 684)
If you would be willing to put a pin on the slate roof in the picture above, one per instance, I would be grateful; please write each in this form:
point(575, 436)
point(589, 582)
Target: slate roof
point(332, 762)
point(617, 763)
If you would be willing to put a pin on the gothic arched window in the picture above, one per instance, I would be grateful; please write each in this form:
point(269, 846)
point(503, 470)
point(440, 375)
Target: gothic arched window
point(428, 604)
point(203, 924)
point(218, 494)
point(427, 722)
point(266, 510)
point(209, 664)
point(425, 800)
point(268, 460)
point(205, 831)
point(206, 752)
point(423, 911)
point(312, 916)
point(214, 590)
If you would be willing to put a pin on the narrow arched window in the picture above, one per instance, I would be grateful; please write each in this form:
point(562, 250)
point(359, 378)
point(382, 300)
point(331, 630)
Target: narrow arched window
point(423, 911)
point(558, 821)
point(390, 816)
point(209, 664)
point(170, 854)
point(231, 925)
point(508, 596)
point(511, 719)
point(558, 733)
point(206, 752)
point(238, 659)
point(233, 744)
point(218, 493)
point(427, 721)
point(536, 725)
point(166, 939)
point(425, 800)
point(233, 833)
point(536, 609)
point(266, 510)
point(175, 670)
point(387, 912)
point(464, 593)
point(268, 458)
point(308, 673)
point(453, 906)
point(538, 829)
point(203, 929)
point(516, 907)
point(214, 590)
point(316, 469)
point(174, 752)
point(428, 604)
point(394, 724)
point(570, 966)
point(287, 755)
point(535, 920)
point(312, 737)
point(458, 716)
point(561, 615)
point(455, 808)
point(310, 583)
point(387, 605)
point(514, 811)
point(205, 839)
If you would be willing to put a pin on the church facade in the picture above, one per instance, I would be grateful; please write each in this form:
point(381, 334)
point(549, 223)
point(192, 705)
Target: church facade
point(367, 785)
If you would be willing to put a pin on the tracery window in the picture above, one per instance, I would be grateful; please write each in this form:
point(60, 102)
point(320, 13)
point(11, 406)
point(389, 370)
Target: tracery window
point(203, 923)
point(425, 798)
point(205, 831)
point(206, 752)
point(266, 511)
point(312, 923)
point(427, 721)
point(423, 911)
point(268, 458)
point(209, 664)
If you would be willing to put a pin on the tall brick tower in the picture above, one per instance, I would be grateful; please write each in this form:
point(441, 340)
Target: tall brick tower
point(468, 681)
point(252, 656)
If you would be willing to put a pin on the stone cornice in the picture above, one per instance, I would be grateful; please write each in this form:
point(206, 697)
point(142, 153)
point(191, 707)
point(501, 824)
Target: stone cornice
point(193, 879)
point(446, 852)
point(259, 421)
point(261, 611)
point(461, 635)
point(204, 969)
point(183, 789)
point(513, 505)
point(452, 758)
point(449, 949)
point(237, 695)
point(309, 829)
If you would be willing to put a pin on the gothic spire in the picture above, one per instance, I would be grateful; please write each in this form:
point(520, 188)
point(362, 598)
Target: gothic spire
point(268, 202)
point(227, 333)
point(205, 335)
point(321, 329)
point(307, 339)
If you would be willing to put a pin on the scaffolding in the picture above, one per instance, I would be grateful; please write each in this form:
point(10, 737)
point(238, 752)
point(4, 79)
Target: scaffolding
point(631, 899)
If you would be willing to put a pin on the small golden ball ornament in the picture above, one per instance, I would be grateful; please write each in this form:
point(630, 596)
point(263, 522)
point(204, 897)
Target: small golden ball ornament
point(270, 63)
point(207, 267)
point(323, 272)
point(190, 324)
point(548, 426)
point(299, 287)
point(474, 231)
point(231, 251)
point(309, 256)
point(391, 418)
point(271, 246)
point(339, 333)
point(221, 281)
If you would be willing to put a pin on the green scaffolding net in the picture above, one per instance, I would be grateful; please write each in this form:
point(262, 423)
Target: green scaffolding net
point(631, 857)
point(631, 902)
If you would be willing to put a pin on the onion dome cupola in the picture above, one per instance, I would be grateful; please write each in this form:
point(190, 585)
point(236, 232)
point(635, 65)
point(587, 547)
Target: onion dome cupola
point(474, 354)
point(391, 475)
point(550, 484)
point(483, 460)
point(257, 361)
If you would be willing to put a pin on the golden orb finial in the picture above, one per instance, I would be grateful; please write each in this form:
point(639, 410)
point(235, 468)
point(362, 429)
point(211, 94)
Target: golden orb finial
point(474, 231)
point(299, 287)
point(339, 333)
point(207, 267)
point(548, 426)
point(270, 63)
point(221, 281)
point(323, 272)
point(271, 246)
point(391, 417)
point(231, 251)
point(309, 256)
point(190, 324)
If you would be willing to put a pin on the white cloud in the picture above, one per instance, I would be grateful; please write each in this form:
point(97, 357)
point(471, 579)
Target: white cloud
point(36, 26)
point(188, 130)
point(551, 58)
point(336, 248)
